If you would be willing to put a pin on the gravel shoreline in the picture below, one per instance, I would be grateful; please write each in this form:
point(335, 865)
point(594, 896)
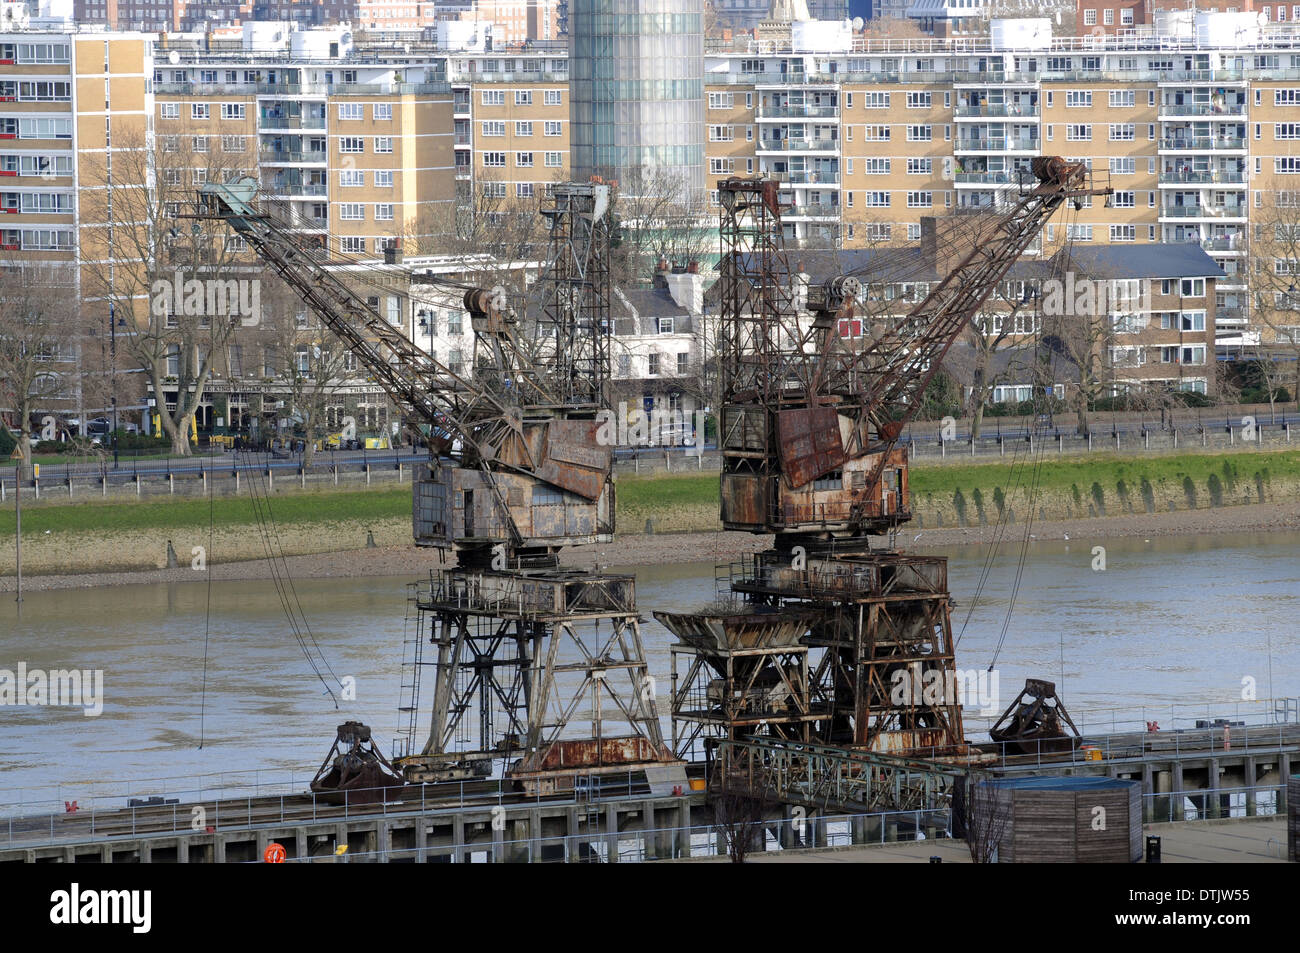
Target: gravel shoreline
point(702, 548)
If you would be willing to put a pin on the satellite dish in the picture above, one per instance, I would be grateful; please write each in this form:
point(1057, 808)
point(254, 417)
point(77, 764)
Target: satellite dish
point(857, 23)
point(173, 57)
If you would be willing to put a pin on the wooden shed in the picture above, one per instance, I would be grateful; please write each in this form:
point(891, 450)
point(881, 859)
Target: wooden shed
point(1060, 819)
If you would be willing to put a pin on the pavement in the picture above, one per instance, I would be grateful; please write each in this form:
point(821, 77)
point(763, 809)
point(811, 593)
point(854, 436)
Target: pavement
point(1236, 841)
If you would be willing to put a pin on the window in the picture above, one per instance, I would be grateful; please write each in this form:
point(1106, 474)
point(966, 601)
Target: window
point(234, 143)
point(1124, 199)
point(1123, 233)
point(232, 110)
point(554, 160)
point(494, 160)
point(384, 179)
point(554, 97)
point(1089, 17)
point(352, 111)
point(1286, 165)
point(719, 166)
point(721, 100)
point(920, 199)
point(721, 134)
point(920, 166)
point(494, 190)
point(879, 231)
point(352, 144)
point(199, 143)
point(494, 97)
point(683, 363)
point(830, 481)
point(523, 97)
point(170, 110)
point(918, 100)
point(1078, 132)
point(652, 365)
point(552, 127)
point(1192, 287)
point(384, 144)
point(875, 199)
point(351, 178)
point(919, 133)
point(666, 325)
point(875, 133)
point(1126, 16)
point(1108, 17)
point(382, 112)
point(523, 190)
point(352, 211)
point(1286, 97)
point(1079, 233)
point(494, 127)
point(198, 110)
point(1285, 130)
point(1078, 98)
point(875, 166)
point(523, 127)
point(875, 100)
point(524, 160)
point(1121, 132)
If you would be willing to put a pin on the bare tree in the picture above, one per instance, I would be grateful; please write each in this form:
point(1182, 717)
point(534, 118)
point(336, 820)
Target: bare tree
point(741, 800)
point(308, 361)
point(659, 220)
point(1273, 283)
point(997, 336)
point(185, 284)
point(986, 815)
point(39, 340)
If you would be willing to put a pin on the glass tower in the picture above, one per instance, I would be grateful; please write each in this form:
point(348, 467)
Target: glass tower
point(636, 81)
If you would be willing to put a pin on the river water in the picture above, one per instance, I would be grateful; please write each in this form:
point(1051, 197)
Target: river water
point(1169, 627)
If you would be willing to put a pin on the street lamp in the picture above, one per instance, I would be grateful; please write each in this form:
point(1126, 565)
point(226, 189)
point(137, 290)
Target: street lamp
point(112, 351)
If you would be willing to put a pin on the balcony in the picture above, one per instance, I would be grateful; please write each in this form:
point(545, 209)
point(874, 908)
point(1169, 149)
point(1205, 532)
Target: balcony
point(985, 178)
point(1203, 109)
point(296, 190)
point(998, 110)
point(816, 144)
point(1203, 178)
point(1203, 211)
point(811, 178)
point(797, 112)
point(1224, 244)
point(812, 211)
point(291, 122)
point(1012, 144)
point(292, 156)
point(1202, 143)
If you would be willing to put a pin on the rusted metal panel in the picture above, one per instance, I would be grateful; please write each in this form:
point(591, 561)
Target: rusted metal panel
point(744, 427)
point(570, 754)
point(573, 460)
point(744, 500)
point(810, 443)
point(755, 630)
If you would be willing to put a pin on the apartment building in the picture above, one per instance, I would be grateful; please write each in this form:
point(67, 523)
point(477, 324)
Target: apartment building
point(1192, 131)
point(512, 123)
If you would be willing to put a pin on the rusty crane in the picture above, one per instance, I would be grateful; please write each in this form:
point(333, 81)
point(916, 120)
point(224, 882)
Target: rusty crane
point(523, 651)
point(830, 641)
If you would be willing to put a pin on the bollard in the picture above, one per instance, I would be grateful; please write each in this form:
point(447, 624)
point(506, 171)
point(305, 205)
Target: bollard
point(1153, 849)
